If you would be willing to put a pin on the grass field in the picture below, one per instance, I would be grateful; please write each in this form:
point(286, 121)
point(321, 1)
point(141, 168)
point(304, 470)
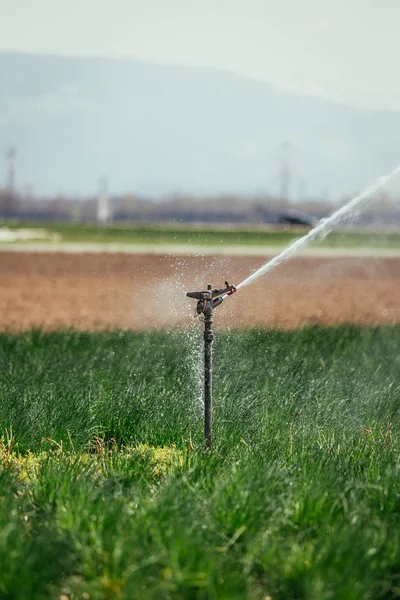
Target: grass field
point(105, 491)
point(206, 235)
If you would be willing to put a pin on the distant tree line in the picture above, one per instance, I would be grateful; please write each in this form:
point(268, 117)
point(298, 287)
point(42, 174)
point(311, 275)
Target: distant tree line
point(229, 209)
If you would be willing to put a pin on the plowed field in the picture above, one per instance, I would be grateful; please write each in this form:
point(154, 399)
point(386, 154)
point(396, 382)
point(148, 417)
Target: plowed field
point(97, 291)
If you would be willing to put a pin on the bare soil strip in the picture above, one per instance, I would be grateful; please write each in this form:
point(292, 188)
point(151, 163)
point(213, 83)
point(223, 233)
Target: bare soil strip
point(135, 291)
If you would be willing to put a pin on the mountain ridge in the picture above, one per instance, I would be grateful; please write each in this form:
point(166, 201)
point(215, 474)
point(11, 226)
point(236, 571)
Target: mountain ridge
point(158, 129)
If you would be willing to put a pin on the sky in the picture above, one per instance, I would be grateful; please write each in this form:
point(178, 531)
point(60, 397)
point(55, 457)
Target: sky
point(344, 50)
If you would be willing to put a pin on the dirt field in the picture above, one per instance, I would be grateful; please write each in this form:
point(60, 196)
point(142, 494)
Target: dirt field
point(97, 291)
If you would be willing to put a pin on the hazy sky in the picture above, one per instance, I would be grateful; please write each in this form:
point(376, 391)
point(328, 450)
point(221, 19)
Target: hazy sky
point(346, 50)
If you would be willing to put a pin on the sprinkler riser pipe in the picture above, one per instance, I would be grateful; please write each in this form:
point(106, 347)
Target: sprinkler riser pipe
point(207, 300)
point(208, 342)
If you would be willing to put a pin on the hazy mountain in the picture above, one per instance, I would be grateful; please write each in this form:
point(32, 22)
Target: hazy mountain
point(160, 129)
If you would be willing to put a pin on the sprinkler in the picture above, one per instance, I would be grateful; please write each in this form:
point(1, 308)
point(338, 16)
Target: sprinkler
point(206, 302)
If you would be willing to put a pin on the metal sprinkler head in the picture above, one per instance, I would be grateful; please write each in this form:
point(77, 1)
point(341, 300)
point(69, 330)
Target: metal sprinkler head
point(216, 296)
point(207, 300)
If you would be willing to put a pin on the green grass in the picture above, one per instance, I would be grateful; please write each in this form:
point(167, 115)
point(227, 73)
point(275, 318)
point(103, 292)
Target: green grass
point(202, 236)
point(105, 491)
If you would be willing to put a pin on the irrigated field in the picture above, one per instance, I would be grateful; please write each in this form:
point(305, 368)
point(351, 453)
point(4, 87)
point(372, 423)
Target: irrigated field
point(106, 493)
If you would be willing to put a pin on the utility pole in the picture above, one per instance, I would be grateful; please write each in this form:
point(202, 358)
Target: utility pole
point(303, 190)
point(285, 171)
point(11, 153)
point(10, 177)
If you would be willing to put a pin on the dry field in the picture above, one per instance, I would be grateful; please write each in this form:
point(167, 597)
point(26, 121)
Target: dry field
point(97, 291)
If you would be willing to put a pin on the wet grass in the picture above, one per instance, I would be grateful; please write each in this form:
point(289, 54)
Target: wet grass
point(205, 236)
point(105, 491)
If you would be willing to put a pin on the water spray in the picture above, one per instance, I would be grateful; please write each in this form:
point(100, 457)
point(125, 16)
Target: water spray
point(325, 226)
point(211, 298)
point(207, 301)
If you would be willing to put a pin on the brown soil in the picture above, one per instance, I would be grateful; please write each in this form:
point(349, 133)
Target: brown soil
point(97, 291)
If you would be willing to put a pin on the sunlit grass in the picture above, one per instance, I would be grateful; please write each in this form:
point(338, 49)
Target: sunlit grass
point(106, 492)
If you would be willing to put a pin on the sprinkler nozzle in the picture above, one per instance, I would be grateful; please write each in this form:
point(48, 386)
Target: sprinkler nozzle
point(215, 296)
point(232, 287)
